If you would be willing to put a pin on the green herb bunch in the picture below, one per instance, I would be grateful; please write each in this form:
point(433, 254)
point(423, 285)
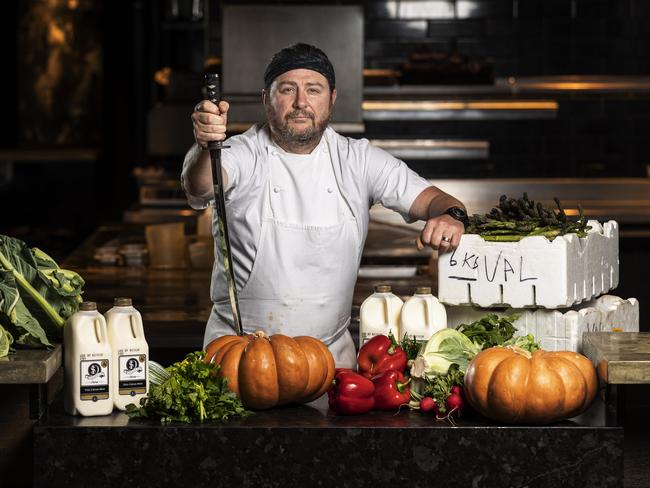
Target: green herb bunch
point(411, 347)
point(513, 219)
point(193, 391)
point(439, 387)
point(492, 330)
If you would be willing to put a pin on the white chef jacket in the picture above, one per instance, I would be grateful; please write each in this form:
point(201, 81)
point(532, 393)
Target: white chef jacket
point(365, 175)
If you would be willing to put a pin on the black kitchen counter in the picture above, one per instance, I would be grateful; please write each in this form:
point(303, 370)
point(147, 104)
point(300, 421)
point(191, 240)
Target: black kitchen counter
point(311, 446)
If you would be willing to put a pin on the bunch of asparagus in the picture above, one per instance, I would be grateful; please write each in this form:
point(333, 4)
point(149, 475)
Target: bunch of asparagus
point(512, 220)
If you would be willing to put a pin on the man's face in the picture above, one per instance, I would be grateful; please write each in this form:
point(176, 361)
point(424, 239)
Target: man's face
point(299, 106)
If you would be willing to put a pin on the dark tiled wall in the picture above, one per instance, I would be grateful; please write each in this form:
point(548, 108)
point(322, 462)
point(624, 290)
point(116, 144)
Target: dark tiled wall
point(593, 135)
point(520, 37)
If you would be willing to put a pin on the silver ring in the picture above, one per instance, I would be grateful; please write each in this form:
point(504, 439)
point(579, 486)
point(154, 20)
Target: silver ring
point(446, 239)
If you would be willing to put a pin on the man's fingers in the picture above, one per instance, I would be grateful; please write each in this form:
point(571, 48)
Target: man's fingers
point(436, 239)
point(211, 128)
point(207, 106)
point(204, 137)
point(455, 240)
point(209, 119)
point(223, 107)
point(419, 244)
point(427, 232)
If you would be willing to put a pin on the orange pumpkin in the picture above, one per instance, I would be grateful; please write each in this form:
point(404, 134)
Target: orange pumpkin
point(511, 385)
point(269, 371)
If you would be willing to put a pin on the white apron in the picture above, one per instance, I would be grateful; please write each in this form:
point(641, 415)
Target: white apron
point(302, 281)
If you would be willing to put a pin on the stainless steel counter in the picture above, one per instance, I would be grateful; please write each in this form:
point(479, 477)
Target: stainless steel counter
point(626, 200)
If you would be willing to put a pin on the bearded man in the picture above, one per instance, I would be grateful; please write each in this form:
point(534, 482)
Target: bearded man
point(297, 199)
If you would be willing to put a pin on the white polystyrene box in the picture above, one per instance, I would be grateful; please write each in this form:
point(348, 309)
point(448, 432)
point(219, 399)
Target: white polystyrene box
point(558, 330)
point(533, 272)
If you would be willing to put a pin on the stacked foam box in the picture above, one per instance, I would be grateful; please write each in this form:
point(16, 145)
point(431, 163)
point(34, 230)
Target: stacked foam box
point(559, 330)
point(540, 276)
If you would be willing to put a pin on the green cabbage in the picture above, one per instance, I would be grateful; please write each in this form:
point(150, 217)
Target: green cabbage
point(446, 347)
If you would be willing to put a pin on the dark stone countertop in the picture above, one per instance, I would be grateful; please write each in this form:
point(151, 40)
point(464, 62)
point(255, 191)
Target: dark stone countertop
point(309, 445)
point(30, 366)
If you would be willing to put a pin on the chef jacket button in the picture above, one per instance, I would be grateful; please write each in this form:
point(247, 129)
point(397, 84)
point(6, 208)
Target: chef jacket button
point(276, 189)
point(329, 190)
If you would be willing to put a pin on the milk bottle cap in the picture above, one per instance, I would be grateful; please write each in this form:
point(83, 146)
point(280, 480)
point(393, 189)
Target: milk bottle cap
point(383, 289)
point(423, 290)
point(87, 306)
point(122, 302)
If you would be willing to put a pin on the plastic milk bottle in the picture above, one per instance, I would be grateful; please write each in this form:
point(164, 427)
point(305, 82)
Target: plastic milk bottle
point(130, 353)
point(88, 364)
point(380, 314)
point(422, 315)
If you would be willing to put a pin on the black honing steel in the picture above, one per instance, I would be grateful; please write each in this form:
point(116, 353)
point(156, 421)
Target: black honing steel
point(215, 147)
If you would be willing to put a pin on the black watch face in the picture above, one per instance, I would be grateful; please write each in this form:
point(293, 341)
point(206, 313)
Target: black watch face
point(457, 212)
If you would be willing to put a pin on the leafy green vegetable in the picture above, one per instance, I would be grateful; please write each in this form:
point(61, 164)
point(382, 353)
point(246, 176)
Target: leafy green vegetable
point(157, 374)
point(193, 391)
point(526, 342)
point(490, 330)
point(446, 347)
point(36, 296)
point(6, 340)
point(411, 347)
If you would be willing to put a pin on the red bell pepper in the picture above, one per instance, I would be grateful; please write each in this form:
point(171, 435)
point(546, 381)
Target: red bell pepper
point(379, 354)
point(351, 394)
point(391, 390)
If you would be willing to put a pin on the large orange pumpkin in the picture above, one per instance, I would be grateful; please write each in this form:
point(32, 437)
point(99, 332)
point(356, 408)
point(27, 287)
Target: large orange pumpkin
point(511, 385)
point(277, 370)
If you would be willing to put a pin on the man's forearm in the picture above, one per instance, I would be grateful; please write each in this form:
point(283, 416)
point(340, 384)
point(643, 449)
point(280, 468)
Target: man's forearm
point(197, 174)
point(441, 202)
point(433, 202)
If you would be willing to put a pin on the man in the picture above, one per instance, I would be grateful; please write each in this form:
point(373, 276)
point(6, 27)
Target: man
point(297, 200)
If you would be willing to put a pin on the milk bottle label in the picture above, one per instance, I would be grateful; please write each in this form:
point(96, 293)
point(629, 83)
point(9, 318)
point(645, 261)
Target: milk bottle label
point(366, 336)
point(133, 374)
point(94, 379)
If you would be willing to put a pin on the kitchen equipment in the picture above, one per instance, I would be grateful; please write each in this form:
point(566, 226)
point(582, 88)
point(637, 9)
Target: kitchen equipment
point(212, 89)
point(166, 244)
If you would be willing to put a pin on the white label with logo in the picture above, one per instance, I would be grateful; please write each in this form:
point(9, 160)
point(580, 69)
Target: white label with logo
point(94, 379)
point(132, 374)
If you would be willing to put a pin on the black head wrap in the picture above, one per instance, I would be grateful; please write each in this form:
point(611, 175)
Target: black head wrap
point(299, 56)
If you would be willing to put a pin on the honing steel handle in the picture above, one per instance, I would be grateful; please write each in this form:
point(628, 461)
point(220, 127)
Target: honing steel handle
point(213, 93)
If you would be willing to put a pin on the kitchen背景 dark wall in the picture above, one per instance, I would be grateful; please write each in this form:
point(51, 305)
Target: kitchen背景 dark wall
point(521, 37)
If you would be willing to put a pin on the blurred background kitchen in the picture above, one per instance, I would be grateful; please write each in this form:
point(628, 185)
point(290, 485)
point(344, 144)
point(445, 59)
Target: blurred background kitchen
point(483, 97)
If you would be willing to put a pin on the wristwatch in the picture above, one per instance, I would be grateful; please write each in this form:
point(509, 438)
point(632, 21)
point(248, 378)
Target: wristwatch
point(459, 214)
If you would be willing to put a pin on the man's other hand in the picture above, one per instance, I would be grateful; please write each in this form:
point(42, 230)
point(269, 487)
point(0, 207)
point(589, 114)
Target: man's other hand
point(442, 233)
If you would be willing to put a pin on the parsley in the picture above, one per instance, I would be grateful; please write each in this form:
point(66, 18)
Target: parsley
point(194, 391)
